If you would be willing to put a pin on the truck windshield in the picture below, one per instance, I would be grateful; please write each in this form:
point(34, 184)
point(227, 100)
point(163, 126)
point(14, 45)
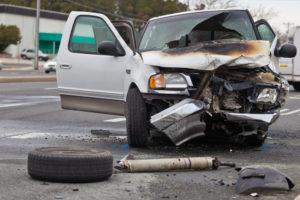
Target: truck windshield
point(189, 29)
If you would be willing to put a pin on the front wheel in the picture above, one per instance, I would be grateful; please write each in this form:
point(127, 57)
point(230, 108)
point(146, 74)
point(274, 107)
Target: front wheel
point(137, 119)
point(255, 140)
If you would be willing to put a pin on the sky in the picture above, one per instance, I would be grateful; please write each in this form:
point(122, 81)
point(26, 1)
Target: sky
point(288, 10)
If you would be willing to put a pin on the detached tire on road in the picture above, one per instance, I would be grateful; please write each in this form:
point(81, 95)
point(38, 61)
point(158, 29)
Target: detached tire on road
point(70, 164)
point(137, 119)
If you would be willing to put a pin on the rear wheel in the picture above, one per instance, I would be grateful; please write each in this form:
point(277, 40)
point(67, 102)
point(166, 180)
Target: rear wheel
point(296, 86)
point(137, 119)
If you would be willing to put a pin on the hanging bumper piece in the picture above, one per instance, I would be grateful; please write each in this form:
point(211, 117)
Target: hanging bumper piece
point(181, 122)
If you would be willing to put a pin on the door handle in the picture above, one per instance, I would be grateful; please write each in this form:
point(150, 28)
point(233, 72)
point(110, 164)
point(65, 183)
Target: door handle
point(65, 66)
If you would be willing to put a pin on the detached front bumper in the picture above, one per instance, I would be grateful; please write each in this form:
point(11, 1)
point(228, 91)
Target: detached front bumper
point(268, 118)
point(183, 121)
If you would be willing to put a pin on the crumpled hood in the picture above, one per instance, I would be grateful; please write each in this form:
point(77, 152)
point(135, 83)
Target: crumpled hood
point(211, 55)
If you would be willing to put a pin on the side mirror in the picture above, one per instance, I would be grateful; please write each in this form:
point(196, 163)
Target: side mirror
point(287, 51)
point(110, 49)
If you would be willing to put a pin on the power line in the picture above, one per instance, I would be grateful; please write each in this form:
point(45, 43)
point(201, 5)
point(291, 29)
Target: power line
point(105, 12)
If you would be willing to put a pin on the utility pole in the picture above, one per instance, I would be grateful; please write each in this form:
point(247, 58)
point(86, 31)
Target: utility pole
point(37, 30)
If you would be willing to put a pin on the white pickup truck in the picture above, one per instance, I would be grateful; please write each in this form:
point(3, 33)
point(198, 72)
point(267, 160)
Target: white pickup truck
point(290, 68)
point(192, 73)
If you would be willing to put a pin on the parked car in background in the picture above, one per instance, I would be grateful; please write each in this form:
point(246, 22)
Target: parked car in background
point(290, 68)
point(193, 73)
point(30, 54)
point(50, 66)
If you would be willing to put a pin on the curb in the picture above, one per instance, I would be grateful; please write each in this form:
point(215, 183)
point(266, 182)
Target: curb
point(22, 79)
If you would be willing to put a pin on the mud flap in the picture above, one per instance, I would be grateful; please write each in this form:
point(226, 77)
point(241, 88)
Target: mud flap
point(255, 178)
point(181, 122)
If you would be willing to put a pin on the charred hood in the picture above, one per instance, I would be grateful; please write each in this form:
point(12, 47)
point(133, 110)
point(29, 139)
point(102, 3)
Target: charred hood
point(212, 55)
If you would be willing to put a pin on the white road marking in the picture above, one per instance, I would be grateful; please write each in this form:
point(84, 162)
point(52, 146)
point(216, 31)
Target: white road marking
point(54, 88)
point(284, 110)
point(115, 120)
point(17, 101)
point(15, 105)
point(297, 97)
point(291, 112)
point(29, 136)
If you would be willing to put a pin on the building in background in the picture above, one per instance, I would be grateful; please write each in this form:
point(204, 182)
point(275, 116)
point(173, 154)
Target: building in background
point(51, 28)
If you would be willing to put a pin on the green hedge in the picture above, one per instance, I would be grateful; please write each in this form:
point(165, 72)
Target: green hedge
point(9, 35)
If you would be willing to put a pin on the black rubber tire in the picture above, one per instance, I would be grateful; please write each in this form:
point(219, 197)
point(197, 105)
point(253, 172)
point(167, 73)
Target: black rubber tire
point(296, 86)
point(70, 164)
point(137, 119)
point(47, 71)
point(255, 140)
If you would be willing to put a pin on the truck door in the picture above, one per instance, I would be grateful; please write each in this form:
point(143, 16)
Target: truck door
point(89, 80)
point(266, 33)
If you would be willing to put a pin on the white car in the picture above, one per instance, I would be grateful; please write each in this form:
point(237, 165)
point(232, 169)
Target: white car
point(30, 54)
point(50, 66)
point(193, 73)
point(290, 68)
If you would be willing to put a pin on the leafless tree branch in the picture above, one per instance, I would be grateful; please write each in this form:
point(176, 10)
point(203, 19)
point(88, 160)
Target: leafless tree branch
point(263, 13)
point(215, 4)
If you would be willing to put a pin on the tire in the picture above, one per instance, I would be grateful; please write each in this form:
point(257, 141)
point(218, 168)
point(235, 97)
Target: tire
point(47, 71)
point(70, 164)
point(296, 86)
point(137, 119)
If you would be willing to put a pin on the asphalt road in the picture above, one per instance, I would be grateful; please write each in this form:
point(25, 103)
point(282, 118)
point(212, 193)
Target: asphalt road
point(31, 117)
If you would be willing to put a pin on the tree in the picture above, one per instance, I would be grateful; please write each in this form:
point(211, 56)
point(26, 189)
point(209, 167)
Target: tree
point(263, 13)
point(144, 9)
point(9, 35)
point(215, 4)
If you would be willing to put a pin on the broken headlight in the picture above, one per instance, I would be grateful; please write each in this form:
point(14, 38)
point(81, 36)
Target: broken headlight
point(267, 95)
point(167, 81)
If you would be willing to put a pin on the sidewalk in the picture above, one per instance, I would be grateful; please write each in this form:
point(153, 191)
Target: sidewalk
point(17, 64)
point(15, 76)
point(13, 70)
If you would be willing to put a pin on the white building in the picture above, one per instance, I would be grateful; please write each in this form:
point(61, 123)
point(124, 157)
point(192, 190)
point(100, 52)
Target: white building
point(51, 27)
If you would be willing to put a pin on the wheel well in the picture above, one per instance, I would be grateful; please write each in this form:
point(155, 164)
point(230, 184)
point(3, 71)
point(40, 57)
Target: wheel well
point(133, 85)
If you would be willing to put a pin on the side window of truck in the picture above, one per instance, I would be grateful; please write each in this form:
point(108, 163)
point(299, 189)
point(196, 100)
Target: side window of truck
point(88, 32)
point(266, 33)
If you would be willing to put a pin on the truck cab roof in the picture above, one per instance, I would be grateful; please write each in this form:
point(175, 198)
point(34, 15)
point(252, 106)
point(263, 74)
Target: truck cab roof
point(195, 11)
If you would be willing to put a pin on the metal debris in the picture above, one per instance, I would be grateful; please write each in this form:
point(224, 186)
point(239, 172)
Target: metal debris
point(254, 194)
point(170, 164)
point(254, 178)
point(180, 122)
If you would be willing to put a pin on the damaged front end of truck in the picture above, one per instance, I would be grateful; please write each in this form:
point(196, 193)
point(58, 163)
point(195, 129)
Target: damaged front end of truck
point(230, 89)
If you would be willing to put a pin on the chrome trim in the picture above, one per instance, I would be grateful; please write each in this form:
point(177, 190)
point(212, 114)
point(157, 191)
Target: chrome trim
point(188, 80)
point(179, 92)
point(112, 107)
point(266, 118)
point(91, 94)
